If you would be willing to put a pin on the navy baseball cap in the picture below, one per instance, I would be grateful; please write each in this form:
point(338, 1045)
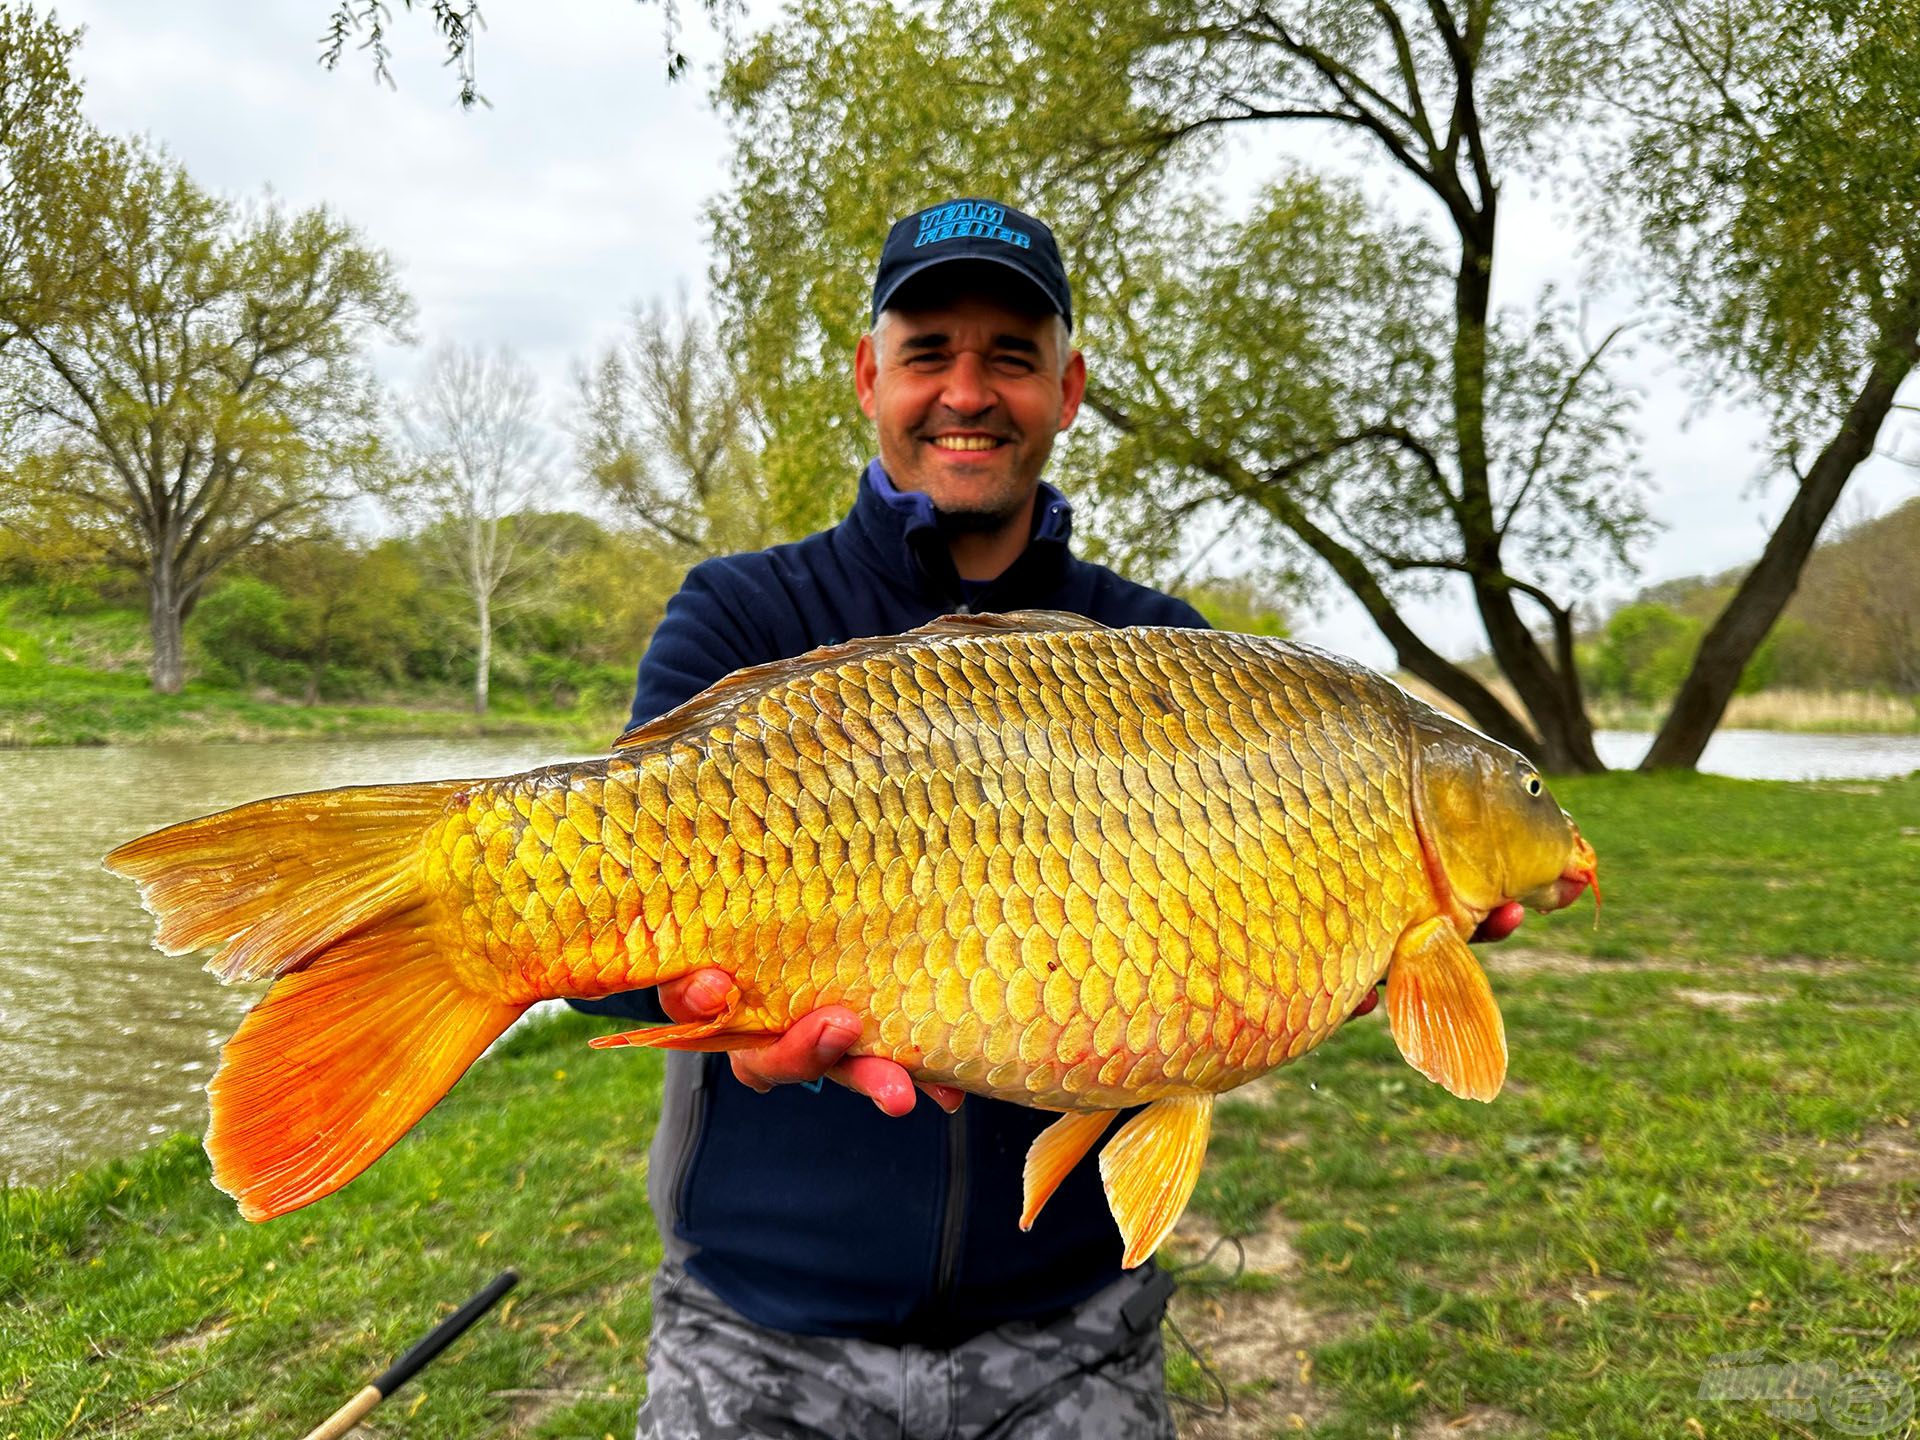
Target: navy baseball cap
point(974, 230)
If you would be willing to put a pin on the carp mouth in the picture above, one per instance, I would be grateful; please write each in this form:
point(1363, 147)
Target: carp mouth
point(1582, 872)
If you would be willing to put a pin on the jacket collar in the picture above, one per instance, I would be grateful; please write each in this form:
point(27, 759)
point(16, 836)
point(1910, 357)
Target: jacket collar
point(902, 538)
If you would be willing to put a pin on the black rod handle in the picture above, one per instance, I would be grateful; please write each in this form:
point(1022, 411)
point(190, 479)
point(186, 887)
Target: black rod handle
point(445, 1333)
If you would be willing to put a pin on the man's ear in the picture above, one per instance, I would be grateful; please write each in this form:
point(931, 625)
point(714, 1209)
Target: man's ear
point(866, 370)
point(1073, 387)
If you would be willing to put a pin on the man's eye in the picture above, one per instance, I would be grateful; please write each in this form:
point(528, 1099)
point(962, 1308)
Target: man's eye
point(1019, 364)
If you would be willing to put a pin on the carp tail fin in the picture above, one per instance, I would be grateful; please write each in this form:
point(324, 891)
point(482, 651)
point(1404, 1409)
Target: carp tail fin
point(367, 1024)
point(268, 886)
point(339, 1061)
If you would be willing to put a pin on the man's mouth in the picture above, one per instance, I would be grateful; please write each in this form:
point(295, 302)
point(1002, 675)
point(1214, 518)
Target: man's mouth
point(966, 442)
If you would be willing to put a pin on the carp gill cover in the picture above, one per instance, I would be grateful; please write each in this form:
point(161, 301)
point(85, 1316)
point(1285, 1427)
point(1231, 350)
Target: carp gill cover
point(1048, 862)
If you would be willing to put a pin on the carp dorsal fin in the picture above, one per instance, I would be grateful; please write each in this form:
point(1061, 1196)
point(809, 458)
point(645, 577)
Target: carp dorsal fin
point(1029, 622)
point(730, 692)
point(1442, 1012)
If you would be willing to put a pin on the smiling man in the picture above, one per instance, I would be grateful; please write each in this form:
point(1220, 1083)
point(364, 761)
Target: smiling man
point(841, 1261)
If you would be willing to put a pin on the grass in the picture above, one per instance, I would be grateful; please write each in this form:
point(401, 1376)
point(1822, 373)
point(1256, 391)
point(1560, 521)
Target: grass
point(80, 679)
point(1706, 1146)
point(134, 1301)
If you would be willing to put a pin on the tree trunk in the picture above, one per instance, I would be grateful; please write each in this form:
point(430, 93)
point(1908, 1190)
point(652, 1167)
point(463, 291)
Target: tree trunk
point(484, 660)
point(1750, 614)
point(166, 619)
point(1566, 735)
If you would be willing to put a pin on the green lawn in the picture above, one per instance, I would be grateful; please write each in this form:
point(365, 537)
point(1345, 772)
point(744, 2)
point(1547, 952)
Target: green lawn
point(1706, 1146)
point(58, 705)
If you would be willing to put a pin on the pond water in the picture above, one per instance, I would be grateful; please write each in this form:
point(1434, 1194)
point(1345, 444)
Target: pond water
point(105, 1043)
point(1770, 755)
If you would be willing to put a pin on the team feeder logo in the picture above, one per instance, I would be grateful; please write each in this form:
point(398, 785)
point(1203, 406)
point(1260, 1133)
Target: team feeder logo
point(965, 219)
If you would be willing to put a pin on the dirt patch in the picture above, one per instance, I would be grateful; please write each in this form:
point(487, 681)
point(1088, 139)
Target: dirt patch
point(1259, 1341)
point(1735, 1000)
point(208, 1332)
point(1869, 1207)
point(1477, 1420)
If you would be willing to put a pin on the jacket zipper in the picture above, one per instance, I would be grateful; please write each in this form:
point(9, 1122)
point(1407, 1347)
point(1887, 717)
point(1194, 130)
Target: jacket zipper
point(954, 1217)
point(694, 1133)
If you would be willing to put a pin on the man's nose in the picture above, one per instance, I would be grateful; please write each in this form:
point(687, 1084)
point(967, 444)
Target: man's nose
point(968, 391)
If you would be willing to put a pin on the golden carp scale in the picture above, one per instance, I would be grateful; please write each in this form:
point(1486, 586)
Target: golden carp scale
point(1076, 868)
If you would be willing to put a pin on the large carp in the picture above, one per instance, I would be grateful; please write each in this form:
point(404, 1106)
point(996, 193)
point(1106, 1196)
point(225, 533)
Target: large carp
point(1045, 861)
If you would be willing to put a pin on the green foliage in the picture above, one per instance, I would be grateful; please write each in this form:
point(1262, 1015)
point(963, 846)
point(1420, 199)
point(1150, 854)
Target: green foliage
point(1241, 605)
point(1302, 364)
point(1772, 173)
point(209, 392)
point(242, 627)
point(1646, 649)
point(1644, 652)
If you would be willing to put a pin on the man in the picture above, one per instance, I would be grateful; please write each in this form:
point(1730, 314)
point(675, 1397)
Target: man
point(841, 1261)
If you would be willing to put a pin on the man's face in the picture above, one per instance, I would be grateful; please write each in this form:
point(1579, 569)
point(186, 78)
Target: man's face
point(967, 393)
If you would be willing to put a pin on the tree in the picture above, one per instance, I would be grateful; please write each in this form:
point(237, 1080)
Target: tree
point(50, 164)
point(458, 23)
point(1773, 171)
point(664, 432)
point(1282, 363)
point(482, 460)
point(210, 394)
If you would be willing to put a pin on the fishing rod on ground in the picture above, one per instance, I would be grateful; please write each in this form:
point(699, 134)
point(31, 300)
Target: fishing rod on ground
point(416, 1359)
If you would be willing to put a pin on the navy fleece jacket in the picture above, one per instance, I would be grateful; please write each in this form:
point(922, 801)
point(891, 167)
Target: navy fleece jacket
point(812, 1211)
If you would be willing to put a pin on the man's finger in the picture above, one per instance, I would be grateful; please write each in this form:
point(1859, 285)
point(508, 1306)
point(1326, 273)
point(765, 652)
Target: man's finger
point(884, 1082)
point(806, 1052)
point(699, 996)
point(945, 1096)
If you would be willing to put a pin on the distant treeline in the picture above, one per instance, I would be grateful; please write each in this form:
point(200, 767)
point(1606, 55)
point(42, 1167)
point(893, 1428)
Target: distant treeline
point(1853, 624)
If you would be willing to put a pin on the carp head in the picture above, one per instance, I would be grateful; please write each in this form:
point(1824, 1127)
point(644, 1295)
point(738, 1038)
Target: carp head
point(1492, 832)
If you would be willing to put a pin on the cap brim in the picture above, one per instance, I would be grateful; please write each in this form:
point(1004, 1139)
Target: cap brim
point(937, 261)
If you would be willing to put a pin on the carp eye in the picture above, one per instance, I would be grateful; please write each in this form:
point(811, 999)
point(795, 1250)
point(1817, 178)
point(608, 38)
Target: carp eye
point(1533, 785)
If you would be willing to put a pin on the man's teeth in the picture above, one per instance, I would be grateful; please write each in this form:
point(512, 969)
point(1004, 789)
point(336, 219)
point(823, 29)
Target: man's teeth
point(965, 442)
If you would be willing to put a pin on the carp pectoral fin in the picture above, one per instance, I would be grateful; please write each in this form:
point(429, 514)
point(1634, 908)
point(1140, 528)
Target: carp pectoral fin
point(1150, 1168)
point(1442, 1013)
point(711, 1034)
point(1054, 1153)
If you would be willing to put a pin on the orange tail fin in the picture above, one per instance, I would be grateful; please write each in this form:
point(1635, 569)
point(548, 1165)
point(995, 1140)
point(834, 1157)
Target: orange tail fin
point(367, 1024)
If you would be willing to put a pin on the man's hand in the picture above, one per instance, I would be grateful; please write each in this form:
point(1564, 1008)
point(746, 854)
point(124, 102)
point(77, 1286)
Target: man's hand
point(815, 1046)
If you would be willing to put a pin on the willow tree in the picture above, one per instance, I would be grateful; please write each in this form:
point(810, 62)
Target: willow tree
point(1307, 360)
point(1773, 174)
point(211, 393)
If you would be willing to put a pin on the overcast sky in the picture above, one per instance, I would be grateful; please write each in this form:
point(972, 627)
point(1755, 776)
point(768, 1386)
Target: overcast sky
point(538, 223)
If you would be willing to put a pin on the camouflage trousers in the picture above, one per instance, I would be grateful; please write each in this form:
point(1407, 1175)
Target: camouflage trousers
point(1096, 1371)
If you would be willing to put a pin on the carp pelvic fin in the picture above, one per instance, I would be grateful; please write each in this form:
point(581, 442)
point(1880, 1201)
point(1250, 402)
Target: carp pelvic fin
point(693, 1034)
point(1054, 1153)
point(1150, 1168)
point(1442, 1012)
